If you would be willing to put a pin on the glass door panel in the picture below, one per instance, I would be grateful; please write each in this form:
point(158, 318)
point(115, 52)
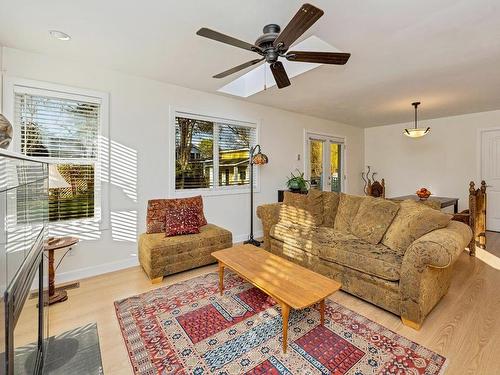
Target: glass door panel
point(316, 164)
point(335, 169)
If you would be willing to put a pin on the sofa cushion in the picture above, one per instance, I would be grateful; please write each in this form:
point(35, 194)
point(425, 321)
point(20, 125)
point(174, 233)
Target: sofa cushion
point(304, 209)
point(330, 206)
point(348, 208)
point(155, 216)
point(341, 248)
point(412, 221)
point(373, 218)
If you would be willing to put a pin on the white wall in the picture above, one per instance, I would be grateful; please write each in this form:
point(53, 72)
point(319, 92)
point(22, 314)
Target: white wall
point(445, 160)
point(139, 121)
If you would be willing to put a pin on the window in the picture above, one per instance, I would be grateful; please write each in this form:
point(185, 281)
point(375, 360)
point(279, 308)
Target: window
point(62, 128)
point(212, 153)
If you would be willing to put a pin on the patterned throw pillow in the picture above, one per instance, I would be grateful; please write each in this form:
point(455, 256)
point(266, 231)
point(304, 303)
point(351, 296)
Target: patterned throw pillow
point(181, 220)
point(155, 218)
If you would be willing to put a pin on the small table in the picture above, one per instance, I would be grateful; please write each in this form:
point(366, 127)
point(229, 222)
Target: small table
point(289, 284)
point(444, 201)
point(50, 246)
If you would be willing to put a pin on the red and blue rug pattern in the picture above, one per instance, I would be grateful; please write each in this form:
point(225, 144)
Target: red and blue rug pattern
point(188, 328)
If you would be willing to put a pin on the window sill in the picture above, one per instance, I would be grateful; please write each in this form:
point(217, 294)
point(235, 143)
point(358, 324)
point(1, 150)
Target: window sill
point(213, 192)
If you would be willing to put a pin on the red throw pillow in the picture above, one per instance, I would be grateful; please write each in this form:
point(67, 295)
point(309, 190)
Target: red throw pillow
point(155, 218)
point(181, 220)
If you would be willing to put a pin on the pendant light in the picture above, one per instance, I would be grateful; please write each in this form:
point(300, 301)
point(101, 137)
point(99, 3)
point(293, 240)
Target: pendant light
point(416, 132)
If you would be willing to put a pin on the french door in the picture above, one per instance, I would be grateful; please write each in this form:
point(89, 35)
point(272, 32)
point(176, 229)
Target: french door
point(325, 162)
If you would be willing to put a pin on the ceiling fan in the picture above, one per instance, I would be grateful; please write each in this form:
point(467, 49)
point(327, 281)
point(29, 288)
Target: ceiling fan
point(274, 44)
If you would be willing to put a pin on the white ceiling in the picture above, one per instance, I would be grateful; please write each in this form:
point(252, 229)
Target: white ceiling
point(445, 53)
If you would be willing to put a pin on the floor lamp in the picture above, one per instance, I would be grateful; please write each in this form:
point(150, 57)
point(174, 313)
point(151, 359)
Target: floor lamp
point(256, 158)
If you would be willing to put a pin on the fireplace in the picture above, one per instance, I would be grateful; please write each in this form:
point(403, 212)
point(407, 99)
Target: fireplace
point(23, 266)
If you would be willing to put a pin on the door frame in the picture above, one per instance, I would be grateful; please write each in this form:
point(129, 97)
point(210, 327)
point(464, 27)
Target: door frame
point(479, 156)
point(326, 136)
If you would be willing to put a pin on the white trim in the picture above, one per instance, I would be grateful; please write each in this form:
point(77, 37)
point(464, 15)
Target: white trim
point(83, 273)
point(243, 237)
point(335, 138)
point(213, 117)
point(102, 196)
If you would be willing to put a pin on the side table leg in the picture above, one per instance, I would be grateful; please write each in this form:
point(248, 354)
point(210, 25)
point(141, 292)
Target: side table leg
point(285, 312)
point(221, 277)
point(52, 287)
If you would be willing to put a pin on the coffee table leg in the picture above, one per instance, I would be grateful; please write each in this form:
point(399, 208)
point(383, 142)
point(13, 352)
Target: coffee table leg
point(221, 277)
point(285, 312)
point(322, 311)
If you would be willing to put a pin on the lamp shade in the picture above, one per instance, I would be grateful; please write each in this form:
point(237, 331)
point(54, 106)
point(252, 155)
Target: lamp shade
point(5, 132)
point(56, 181)
point(416, 132)
point(260, 159)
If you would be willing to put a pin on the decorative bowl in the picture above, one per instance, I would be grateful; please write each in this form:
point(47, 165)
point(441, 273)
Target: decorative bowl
point(423, 193)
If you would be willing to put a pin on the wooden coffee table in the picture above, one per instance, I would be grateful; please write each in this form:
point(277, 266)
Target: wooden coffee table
point(289, 284)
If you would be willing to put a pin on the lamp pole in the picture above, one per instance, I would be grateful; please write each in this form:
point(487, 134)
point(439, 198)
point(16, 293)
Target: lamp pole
point(251, 240)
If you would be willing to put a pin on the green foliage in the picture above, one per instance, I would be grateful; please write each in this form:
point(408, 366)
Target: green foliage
point(297, 182)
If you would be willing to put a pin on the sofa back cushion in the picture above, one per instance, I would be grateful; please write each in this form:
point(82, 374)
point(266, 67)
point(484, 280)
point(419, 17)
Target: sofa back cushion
point(155, 216)
point(412, 221)
point(373, 218)
point(330, 206)
point(303, 209)
point(348, 208)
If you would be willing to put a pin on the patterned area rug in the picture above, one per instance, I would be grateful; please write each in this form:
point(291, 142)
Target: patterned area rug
point(188, 328)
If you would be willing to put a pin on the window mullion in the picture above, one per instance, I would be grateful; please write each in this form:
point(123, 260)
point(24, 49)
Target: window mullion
point(216, 155)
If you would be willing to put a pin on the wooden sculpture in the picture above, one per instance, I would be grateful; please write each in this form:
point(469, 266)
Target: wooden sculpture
point(373, 187)
point(475, 216)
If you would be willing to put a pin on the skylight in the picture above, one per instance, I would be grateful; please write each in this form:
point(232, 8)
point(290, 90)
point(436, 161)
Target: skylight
point(252, 82)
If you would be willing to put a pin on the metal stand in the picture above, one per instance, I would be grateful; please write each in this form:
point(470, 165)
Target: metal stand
point(251, 240)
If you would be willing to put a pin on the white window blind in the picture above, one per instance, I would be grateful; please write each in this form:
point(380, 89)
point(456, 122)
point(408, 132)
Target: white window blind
point(64, 130)
point(212, 153)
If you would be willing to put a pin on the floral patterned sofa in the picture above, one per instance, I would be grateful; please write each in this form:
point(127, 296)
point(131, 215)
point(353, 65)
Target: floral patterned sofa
point(396, 255)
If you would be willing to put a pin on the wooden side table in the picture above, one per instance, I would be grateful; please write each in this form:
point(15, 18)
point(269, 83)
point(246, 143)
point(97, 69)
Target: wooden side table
point(51, 246)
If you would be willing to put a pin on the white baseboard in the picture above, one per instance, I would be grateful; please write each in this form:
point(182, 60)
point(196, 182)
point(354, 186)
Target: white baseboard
point(244, 237)
point(100, 269)
point(83, 273)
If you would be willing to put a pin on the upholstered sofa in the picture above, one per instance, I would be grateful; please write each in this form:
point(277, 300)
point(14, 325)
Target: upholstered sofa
point(396, 255)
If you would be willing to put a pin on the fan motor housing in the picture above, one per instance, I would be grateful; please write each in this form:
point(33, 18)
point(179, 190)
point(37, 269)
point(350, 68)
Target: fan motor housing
point(265, 42)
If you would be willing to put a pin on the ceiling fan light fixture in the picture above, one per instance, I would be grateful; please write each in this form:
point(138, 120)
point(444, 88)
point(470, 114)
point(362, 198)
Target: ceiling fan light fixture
point(416, 132)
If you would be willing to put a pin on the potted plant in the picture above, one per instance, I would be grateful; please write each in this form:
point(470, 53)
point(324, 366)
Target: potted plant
point(297, 183)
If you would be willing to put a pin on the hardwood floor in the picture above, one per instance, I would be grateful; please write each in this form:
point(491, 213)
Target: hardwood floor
point(464, 326)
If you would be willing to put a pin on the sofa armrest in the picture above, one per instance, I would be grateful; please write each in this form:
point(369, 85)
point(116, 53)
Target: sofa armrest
point(439, 248)
point(426, 269)
point(269, 214)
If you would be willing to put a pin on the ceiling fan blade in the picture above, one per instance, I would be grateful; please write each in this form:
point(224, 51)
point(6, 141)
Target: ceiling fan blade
point(215, 35)
point(337, 58)
point(279, 74)
point(303, 20)
point(237, 68)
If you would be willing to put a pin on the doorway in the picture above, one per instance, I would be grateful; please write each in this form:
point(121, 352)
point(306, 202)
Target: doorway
point(490, 172)
point(325, 162)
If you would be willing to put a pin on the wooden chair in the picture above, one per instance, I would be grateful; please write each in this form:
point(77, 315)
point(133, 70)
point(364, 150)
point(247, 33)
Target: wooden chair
point(475, 216)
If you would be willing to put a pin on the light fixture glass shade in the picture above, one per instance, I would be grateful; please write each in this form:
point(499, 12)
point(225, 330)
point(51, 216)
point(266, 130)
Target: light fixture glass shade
point(416, 132)
point(56, 181)
point(260, 159)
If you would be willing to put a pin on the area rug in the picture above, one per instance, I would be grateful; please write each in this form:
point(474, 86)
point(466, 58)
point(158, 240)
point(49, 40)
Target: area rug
point(188, 328)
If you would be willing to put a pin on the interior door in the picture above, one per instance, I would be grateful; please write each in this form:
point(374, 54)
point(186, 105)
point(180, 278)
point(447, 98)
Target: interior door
point(325, 161)
point(490, 172)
